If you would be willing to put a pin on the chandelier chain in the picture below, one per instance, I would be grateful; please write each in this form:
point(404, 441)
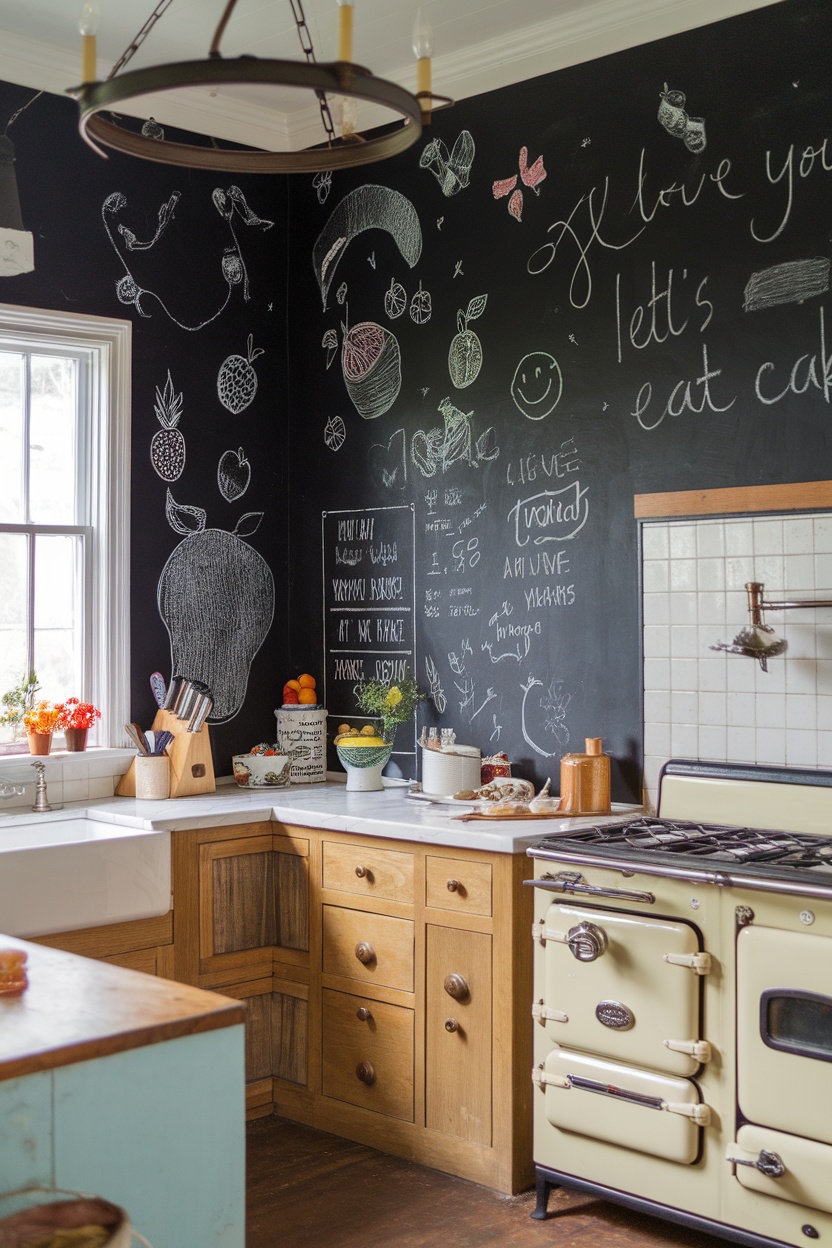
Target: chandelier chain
point(305, 38)
point(139, 39)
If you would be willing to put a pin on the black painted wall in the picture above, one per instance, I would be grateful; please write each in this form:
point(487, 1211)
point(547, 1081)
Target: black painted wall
point(639, 277)
point(639, 282)
point(203, 260)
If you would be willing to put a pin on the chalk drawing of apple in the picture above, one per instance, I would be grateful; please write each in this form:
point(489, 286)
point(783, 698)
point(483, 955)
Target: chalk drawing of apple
point(537, 385)
point(233, 475)
point(216, 598)
point(465, 355)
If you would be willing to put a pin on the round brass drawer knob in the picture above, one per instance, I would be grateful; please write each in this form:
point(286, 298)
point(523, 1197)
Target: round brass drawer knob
point(455, 886)
point(363, 1014)
point(456, 987)
point(451, 1024)
point(364, 952)
point(364, 873)
point(364, 1071)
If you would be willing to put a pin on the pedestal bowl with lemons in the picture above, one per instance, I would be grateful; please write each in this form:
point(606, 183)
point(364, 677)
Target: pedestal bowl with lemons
point(363, 753)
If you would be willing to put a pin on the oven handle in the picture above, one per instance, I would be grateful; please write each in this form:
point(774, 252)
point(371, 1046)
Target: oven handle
point(698, 1112)
point(573, 882)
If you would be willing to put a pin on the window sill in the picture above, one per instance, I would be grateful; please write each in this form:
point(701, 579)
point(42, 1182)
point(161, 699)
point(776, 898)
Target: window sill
point(16, 768)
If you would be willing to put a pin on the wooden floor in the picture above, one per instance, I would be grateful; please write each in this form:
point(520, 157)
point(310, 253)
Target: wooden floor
point(307, 1188)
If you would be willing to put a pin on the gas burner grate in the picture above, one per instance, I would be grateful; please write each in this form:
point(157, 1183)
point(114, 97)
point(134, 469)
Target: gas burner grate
point(720, 843)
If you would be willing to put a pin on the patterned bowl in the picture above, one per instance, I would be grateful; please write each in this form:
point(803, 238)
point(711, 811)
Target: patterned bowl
point(363, 765)
point(261, 771)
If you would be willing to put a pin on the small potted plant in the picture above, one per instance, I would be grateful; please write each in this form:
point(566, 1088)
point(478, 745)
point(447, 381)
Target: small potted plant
point(363, 755)
point(76, 719)
point(16, 702)
point(40, 721)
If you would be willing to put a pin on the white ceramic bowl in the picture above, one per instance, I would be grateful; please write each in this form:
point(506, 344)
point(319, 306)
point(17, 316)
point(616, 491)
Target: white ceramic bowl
point(261, 771)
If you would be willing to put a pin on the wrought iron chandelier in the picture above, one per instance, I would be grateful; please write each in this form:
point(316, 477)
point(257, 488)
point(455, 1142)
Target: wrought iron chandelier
point(341, 78)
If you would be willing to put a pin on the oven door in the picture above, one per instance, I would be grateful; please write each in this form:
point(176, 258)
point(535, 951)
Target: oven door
point(639, 1110)
point(624, 986)
point(784, 1166)
point(784, 1030)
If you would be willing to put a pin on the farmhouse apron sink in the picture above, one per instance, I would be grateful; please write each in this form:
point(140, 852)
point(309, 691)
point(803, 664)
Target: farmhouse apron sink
point(60, 874)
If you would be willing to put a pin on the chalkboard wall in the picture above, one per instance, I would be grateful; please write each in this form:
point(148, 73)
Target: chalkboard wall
point(197, 263)
point(608, 281)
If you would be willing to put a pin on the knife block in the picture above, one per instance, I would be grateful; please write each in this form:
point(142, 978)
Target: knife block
point(191, 764)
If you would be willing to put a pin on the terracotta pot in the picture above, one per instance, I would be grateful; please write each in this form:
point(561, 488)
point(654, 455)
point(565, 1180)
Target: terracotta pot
point(76, 739)
point(40, 742)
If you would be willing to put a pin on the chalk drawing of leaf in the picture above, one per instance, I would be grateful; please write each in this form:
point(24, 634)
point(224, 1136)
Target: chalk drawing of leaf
point(182, 518)
point(248, 524)
point(476, 307)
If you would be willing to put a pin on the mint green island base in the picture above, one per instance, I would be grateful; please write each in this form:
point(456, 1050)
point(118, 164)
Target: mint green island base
point(158, 1129)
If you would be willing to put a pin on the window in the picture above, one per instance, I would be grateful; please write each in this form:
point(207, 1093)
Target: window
point(64, 509)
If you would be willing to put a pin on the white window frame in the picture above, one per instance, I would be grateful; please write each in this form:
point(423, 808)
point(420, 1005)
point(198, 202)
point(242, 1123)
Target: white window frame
point(109, 450)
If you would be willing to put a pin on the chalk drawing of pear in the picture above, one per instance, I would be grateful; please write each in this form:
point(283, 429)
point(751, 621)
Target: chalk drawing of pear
point(216, 599)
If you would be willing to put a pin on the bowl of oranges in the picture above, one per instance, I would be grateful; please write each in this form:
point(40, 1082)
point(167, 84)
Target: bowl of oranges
point(300, 692)
point(363, 754)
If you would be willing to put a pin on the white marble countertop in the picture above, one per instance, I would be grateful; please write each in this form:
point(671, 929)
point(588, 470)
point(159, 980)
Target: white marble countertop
point(389, 813)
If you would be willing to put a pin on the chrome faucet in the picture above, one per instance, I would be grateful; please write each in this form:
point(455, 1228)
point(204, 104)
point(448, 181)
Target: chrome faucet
point(41, 805)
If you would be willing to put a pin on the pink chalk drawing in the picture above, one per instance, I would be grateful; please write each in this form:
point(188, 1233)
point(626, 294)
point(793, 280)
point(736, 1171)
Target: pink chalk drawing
point(529, 176)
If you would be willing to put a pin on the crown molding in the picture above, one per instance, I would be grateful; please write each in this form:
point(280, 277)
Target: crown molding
point(594, 30)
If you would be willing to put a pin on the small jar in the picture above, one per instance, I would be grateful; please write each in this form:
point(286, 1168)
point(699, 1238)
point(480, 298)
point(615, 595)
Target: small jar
point(13, 978)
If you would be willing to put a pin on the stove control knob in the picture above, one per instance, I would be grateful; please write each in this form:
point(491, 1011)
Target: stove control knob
point(587, 941)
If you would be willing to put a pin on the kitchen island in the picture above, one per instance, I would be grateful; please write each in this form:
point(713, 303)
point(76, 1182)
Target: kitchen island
point(127, 1087)
point(382, 948)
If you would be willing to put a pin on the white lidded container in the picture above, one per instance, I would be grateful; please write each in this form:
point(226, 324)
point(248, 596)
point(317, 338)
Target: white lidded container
point(301, 733)
point(445, 772)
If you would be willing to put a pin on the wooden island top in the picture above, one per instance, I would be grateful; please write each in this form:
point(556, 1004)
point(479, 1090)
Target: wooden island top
point(76, 1009)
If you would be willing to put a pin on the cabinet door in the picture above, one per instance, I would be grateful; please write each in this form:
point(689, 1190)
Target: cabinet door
point(253, 897)
point(458, 1039)
point(367, 1054)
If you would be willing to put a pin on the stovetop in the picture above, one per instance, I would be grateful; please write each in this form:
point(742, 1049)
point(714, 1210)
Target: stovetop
point(786, 851)
point(787, 862)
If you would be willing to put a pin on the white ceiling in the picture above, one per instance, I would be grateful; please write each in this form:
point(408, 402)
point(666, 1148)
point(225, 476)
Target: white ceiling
point(478, 45)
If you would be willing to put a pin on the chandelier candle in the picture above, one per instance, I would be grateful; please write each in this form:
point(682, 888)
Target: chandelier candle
point(88, 29)
point(345, 16)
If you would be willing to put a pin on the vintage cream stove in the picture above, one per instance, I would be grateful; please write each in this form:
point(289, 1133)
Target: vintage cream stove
point(683, 1006)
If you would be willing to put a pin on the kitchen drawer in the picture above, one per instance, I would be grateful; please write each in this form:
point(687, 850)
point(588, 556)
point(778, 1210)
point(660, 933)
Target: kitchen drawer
point(369, 947)
point(618, 1104)
point(367, 1054)
point(368, 871)
point(458, 884)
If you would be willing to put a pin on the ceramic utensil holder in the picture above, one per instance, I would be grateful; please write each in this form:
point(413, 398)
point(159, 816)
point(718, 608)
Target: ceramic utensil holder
point(153, 776)
point(191, 764)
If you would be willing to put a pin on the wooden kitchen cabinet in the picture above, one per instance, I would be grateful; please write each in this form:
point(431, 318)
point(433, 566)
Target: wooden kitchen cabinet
point(346, 950)
point(139, 945)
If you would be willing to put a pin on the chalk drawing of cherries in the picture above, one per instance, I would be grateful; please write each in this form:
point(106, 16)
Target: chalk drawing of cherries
point(216, 598)
point(465, 355)
point(233, 475)
point(237, 380)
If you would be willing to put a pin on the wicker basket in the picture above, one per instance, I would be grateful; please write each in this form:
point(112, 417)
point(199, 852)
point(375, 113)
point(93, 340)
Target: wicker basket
point(109, 1226)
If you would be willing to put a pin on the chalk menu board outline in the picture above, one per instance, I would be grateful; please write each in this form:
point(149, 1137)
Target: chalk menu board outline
point(369, 607)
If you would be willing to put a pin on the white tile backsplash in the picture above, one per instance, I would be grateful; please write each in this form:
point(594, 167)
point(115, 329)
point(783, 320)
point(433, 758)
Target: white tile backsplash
point(700, 703)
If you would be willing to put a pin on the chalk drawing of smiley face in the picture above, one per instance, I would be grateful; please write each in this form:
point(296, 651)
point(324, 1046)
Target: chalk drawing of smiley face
point(537, 385)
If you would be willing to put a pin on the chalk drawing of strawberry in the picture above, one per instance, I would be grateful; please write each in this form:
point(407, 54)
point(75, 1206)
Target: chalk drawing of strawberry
point(237, 380)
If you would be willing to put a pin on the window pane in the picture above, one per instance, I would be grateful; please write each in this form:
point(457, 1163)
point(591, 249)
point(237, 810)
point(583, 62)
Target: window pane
point(13, 599)
point(59, 616)
point(11, 437)
point(52, 435)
